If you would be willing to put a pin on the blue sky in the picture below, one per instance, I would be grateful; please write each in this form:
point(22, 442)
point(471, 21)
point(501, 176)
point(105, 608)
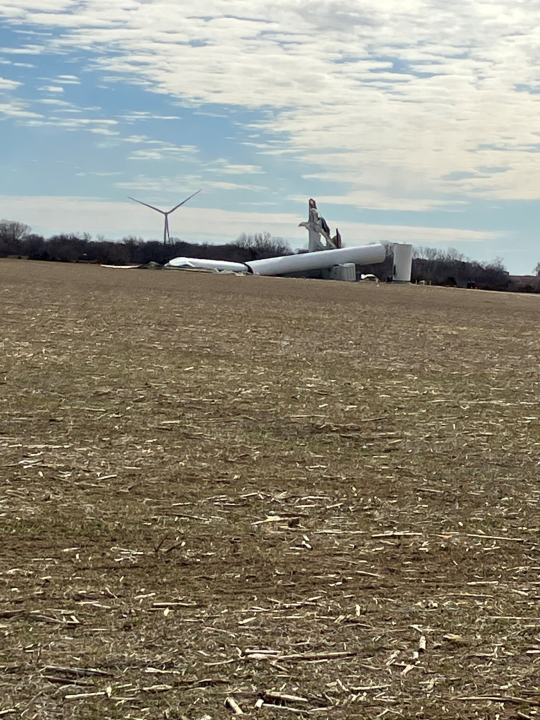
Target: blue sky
point(408, 120)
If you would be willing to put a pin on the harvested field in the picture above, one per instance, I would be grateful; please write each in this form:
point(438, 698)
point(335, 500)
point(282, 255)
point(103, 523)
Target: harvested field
point(222, 492)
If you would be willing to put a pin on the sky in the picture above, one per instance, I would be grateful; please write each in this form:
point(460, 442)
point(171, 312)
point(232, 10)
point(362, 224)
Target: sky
point(408, 120)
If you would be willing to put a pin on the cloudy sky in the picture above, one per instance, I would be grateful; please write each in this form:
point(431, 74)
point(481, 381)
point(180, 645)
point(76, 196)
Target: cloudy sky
point(411, 120)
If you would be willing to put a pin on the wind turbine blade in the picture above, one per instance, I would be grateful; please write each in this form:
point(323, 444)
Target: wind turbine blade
point(147, 205)
point(183, 201)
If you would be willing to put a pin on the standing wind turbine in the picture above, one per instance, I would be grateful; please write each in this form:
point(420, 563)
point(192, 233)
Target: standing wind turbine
point(166, 235)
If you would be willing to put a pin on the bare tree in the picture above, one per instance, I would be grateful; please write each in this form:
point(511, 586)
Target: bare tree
point(13, 229)
point(454, 255)
point(426, 253)
point(263, 245)
point(536, 270)
point(11, 235)
point(33, 246)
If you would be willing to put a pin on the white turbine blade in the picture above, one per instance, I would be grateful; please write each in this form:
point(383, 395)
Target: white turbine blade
point(147, 205)
point(183, 201)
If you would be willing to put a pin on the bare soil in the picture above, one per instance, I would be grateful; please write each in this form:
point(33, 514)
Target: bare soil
point(216, 492)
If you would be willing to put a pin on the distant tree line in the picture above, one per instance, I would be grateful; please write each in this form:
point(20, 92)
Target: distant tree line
point(451, 268)
point(430, 265)
point(17, 240)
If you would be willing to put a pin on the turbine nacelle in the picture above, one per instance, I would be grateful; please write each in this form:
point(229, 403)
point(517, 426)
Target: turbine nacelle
point(166, 213)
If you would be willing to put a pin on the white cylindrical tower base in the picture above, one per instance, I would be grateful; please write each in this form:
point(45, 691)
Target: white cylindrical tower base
point(402, 263)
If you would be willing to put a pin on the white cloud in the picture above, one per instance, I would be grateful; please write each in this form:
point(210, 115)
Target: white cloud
point(136, 139)
point(162, 185)
point(102, 131)
point(17, 110)
point(222, 185)
point(387, 97)
point(98, 126)
point(164, 151)
point(26, 50)
point(6, 84)
point(146, 155)
point(52, 88)
point(98, 174)
point(68, 80)
point(54, 101)
point(3, 61)
point(137, 116)
point(195, 222)
point(223, 167)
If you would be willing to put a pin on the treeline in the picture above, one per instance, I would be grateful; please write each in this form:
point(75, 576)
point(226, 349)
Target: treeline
point(436, 267)
point(16, 240)
point(451, 268)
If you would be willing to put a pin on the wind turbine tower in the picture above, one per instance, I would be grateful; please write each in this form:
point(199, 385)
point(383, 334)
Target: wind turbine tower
point(166, 234)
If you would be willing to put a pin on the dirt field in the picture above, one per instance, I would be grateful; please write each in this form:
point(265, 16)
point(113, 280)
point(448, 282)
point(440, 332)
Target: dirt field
point(314, 497)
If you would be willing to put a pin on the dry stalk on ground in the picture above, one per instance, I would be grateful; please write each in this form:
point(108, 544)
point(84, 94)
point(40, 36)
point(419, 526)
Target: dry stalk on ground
point(267, 496)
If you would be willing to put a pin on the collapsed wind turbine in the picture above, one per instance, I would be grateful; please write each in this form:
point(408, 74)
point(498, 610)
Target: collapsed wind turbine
point(166, 234)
